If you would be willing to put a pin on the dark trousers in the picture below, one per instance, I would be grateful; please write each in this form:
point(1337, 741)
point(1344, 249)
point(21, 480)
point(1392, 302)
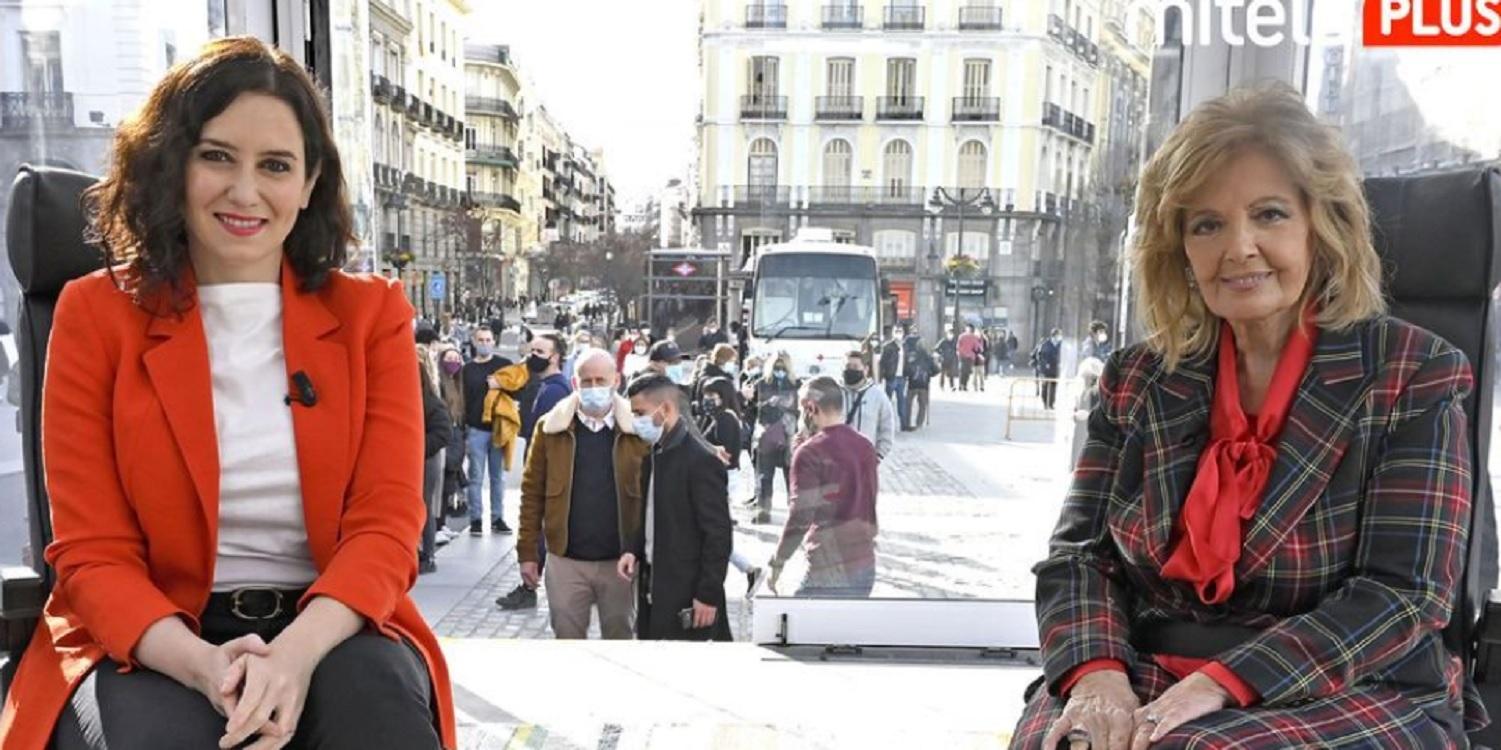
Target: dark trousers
point(1049, 393)
point(368, 692)
point(768, 460)
point(917, 398)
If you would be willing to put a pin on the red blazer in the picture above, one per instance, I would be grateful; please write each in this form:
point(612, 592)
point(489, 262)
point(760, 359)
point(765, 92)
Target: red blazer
point(133, 472)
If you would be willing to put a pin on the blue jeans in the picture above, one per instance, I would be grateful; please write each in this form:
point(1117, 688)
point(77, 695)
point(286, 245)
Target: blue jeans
point(482, 450)
point(896, 390)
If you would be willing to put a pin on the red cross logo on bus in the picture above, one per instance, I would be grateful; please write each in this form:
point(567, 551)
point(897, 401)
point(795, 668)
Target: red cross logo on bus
point(684, 269)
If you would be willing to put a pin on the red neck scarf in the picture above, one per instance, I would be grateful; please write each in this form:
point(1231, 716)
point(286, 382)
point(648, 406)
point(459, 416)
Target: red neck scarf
point(1234, 468)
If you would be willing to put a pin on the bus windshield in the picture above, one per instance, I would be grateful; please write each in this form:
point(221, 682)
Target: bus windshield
point(815, 295)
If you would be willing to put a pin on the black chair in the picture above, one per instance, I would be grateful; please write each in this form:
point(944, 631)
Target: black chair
point(1441, 235)
point(44, 235)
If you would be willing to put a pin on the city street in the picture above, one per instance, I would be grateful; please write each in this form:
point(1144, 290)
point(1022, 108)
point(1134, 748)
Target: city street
point(963, 514)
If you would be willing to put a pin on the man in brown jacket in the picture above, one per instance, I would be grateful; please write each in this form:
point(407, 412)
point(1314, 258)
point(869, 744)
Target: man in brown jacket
point(581, 488)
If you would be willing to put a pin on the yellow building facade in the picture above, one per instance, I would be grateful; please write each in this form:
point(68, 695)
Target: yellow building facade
point(494, 165)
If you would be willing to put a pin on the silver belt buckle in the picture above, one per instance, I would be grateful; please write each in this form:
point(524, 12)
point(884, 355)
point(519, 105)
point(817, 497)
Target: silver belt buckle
point(234, 602)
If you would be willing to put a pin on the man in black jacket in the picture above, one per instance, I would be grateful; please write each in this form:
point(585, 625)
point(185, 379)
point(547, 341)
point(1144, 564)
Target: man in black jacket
point(683, 546)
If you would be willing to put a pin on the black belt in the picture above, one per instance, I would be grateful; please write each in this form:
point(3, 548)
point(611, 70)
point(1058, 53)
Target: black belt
point(1191, 639)
point(254, 603)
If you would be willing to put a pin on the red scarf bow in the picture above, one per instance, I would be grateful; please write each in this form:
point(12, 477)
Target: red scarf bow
point(1233, 469)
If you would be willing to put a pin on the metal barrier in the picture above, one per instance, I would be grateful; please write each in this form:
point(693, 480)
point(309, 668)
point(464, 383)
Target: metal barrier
point(1024, 400)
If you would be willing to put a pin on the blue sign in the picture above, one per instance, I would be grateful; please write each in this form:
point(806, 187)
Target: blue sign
point(437, 286)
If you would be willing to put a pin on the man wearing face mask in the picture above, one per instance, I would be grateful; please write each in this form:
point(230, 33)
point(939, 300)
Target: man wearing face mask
point(546, 352)
point(866, 407)
point(485, 457)
point(581, 494)
point(668, 360)
point(682, 545)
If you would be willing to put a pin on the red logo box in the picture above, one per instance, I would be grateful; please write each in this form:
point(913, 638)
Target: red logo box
point(1432, 23)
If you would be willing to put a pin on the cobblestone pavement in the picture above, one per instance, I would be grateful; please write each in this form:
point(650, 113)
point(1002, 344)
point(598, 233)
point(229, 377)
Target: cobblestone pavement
point(963, 513)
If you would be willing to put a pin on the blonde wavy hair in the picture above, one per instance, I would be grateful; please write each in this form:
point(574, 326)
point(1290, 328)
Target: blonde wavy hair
point(1344, 280)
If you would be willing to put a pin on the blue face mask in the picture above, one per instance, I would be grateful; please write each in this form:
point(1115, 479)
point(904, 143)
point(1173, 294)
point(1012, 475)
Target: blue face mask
point(483, 350)
point(779, 373)
point(730, 368)
point(595, 401)
point(680, 374)
point(646, 429)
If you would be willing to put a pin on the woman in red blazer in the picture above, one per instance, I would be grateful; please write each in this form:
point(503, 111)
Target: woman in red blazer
point(1266, 530)
point(233, 545)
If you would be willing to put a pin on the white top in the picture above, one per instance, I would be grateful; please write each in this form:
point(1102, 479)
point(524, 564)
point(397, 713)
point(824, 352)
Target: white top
point(262, 534)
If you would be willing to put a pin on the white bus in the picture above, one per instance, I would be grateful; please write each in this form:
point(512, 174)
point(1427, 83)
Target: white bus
point(815, 299)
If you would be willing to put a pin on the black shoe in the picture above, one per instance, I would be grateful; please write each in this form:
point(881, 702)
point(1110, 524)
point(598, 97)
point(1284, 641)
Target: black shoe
point(520, 597)
point(762, 517)
point(476, 528)
point(427, 566)
point(749, 502)
point(498, 526)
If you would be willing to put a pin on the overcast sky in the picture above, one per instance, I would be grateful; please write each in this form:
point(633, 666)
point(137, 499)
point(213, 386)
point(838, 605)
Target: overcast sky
point(618, 75)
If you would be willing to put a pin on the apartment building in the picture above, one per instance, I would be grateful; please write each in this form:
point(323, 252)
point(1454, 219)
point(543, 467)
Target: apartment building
point(418, 132)
point(924, 129)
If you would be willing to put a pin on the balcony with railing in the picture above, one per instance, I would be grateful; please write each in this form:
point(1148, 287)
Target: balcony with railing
point(1073, 39)
point(977, 109)
point(766, 16)
point(979, 18)
point(849, 108)
point(26, 110)
point(414, 106)
point(763, 107)
point(905, 18)
point(504, 201)
point(398, 99)
point(851, 195)
point(762, 195)
point(493, 155)
point(1066, 122)
point(489, 105)
point(837, 17)
point(380, 88)
point(899, 108)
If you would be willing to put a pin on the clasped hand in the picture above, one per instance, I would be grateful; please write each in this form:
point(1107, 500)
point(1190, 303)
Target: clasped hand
point(1109, 716)
point(261, 689)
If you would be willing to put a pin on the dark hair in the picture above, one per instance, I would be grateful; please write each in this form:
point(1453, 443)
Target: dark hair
point(650, 384)
point(559, 346)
point(485, 328)
point(135, 212)
point(426, 334)
point(826, 393)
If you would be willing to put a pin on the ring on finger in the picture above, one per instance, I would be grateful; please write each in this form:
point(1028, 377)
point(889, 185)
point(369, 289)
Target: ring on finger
point(1152, 719)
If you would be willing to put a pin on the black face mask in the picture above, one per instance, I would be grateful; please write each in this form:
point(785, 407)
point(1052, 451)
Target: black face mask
point(853, 376)
point(535, 363)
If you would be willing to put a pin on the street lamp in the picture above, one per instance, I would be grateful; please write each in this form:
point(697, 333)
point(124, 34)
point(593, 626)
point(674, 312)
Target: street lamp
point(961, 198)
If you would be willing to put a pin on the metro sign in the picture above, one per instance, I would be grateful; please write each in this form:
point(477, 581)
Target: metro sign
point(685, 269)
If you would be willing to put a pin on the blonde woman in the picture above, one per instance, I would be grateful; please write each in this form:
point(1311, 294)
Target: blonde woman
point(775, 399)
point(1266, 530)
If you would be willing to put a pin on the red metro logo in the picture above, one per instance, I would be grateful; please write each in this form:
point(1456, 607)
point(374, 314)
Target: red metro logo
point(1432, 23)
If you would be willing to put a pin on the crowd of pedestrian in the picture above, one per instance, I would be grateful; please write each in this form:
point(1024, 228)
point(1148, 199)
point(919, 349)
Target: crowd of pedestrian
point(637, 457)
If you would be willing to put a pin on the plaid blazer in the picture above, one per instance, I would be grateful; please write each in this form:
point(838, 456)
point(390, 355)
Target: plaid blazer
point(1353, 559)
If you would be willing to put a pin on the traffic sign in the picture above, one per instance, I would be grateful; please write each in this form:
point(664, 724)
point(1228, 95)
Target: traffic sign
point(437, 286)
